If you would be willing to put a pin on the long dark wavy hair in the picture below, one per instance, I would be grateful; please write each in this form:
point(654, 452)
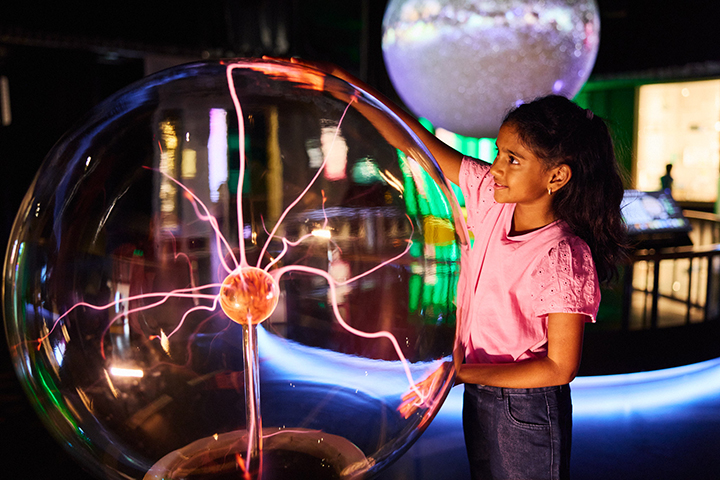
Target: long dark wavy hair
point(560, 132)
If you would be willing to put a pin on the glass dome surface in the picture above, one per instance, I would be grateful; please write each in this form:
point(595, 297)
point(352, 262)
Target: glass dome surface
point(235, 269)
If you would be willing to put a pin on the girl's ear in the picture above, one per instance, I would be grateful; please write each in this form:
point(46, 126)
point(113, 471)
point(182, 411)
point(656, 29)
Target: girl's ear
point(560, 176)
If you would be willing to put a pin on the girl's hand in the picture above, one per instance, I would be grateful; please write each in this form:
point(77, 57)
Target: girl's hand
point(422, 395)
point(325, 67)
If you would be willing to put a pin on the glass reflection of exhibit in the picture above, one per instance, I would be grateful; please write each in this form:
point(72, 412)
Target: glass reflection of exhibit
point(336, 241)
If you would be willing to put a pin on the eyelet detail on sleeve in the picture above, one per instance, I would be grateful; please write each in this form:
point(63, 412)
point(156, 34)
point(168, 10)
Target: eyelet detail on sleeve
point(566, 280)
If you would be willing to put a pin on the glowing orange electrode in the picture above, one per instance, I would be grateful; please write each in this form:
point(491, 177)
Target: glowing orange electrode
point(249, 295)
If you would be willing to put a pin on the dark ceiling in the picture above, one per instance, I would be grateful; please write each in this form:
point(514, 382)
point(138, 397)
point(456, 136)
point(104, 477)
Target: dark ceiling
point(219, 28)
point(636, 34)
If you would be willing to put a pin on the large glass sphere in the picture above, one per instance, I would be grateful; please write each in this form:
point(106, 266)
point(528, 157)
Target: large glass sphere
point(240, 269)
point(463, 63)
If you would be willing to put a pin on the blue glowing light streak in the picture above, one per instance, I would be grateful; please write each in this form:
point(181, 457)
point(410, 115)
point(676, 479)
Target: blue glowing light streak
point(644, 391)
point(607, 395)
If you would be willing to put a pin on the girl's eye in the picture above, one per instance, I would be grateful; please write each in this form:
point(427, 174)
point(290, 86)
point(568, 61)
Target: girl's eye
point(513, 160)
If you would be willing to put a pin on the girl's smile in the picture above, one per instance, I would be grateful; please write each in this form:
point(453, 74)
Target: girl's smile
point(520, 177)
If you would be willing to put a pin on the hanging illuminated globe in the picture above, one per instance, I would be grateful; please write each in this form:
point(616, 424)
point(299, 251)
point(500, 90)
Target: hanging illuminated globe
point(227, 271)
point(462, 64)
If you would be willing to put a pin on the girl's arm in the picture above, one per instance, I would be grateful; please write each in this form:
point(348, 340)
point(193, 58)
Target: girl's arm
point(565, 336)
point(447, 157)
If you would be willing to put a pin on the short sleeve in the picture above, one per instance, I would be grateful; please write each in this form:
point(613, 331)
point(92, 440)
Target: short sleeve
point(565, 281)
point(476, 186)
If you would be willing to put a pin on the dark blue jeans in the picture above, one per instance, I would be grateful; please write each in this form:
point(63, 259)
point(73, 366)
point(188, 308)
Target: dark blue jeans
point(518, 433)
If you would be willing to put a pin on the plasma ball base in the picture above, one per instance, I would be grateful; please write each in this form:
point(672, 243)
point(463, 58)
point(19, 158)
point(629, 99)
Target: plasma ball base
point(249, 295)
point(296, 453)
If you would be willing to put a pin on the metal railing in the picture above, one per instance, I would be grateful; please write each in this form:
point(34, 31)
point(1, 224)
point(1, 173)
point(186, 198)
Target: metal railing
point(675, 286)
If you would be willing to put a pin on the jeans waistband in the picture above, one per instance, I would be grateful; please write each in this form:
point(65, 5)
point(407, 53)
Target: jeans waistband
point(501, 391)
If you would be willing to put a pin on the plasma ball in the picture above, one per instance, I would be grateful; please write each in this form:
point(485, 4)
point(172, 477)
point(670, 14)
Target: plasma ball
point(249, 295)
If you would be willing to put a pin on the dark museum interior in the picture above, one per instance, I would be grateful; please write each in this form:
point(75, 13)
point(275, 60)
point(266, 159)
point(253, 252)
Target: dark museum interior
point(661, 319)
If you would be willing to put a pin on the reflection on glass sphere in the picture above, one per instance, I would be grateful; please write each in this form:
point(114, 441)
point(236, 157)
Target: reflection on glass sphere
point(463, 63)
point(256, 190)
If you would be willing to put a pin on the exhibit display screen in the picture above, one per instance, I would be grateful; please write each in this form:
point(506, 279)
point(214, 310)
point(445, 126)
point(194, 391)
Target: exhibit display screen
point(654, 220)
point(648, 212)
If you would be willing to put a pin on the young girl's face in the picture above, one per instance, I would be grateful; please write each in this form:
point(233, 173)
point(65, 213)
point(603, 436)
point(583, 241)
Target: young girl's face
point(520, 177)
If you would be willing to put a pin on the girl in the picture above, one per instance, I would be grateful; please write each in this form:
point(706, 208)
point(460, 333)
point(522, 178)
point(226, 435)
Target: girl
point(548, 229)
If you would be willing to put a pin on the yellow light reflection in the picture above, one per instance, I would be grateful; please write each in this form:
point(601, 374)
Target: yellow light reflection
point(113, 390)
point(164, 342)
point(168, 190)
point(126, 372)
point(87, 401)
point(392, 181)
point(189, 163)
point(321, 232)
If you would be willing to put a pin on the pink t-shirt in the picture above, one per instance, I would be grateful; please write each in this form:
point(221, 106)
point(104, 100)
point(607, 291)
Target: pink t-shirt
point(509, 285)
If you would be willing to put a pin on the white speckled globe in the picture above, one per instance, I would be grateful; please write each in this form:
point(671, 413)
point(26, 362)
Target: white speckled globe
point(463, 63)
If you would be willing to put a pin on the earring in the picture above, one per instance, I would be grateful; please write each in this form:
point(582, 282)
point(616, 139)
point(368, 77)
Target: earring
point(549, 191)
